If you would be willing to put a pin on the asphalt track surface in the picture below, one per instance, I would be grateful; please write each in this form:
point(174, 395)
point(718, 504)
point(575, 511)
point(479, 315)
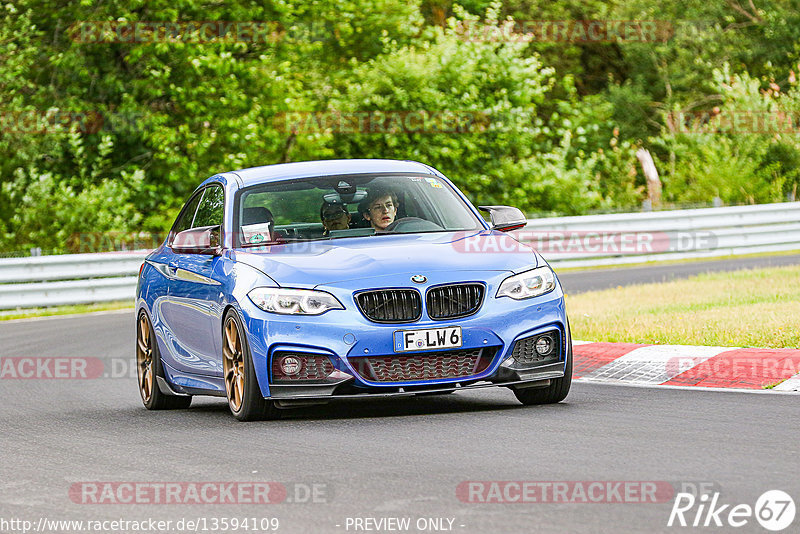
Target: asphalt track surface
point(379, 459)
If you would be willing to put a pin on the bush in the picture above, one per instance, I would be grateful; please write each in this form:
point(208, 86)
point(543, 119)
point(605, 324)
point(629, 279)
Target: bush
point(736, 152)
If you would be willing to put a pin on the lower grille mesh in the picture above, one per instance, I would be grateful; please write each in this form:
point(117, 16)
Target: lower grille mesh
point(424, 365)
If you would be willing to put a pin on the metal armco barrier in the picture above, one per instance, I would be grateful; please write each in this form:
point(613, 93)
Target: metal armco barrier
point(69, 279)
point(625, 238)
point(586, 241)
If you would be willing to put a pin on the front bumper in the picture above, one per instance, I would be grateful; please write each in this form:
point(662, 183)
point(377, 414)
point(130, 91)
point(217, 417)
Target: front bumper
point(345, 336)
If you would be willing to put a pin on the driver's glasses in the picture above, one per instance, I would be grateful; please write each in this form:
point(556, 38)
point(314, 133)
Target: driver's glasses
point(377, 208)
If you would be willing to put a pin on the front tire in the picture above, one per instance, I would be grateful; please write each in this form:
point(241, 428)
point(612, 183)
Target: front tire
point(241, 383)
point(148, 369)
point(558, 388)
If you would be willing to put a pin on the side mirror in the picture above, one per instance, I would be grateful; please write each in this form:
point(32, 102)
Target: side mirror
point(204, 240)
point(505, 218)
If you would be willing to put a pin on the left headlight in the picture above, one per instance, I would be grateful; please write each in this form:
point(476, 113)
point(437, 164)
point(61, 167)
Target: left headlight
point(294, 301)
point(528, 284)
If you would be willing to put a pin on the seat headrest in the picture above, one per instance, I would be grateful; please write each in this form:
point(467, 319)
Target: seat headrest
point(256, 215)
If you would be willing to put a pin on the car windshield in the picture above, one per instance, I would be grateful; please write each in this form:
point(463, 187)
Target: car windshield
point(349, 206)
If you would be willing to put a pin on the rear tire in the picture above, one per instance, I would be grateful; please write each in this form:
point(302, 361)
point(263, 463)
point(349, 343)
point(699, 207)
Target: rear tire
point(241, 383)
point(149, 369)
point(558, 388)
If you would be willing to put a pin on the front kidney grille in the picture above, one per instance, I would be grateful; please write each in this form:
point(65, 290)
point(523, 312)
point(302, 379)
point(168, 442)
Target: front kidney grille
point(461, 363)
point(390, 305)
point(454, 301)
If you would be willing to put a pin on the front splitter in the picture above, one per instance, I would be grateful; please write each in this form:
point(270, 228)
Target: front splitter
point(286, 396)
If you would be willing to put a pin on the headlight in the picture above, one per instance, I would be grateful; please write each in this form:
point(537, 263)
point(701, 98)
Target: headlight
point(294, 301)
point(528, 284)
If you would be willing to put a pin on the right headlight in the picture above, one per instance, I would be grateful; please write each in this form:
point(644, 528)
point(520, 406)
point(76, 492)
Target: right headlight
point(528, 284)
point(294, 301)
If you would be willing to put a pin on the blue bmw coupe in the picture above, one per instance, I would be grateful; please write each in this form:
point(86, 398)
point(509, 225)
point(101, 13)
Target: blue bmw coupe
point(301, 283)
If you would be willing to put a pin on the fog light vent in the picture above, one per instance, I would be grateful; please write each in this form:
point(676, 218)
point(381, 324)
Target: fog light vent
point(294, 367)
point(538, 348)
point(544, 345)
point(290, 365)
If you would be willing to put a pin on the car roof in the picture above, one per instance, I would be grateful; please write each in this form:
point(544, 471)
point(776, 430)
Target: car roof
point(333, 167)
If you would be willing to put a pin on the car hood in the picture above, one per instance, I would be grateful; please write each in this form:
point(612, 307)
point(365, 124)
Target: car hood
point(310, 264)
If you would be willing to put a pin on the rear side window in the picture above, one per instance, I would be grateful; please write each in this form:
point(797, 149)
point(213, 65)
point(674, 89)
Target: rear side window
point(211, 209)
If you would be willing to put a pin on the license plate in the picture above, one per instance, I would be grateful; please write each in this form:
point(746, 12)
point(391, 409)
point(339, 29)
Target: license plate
point(433, 338)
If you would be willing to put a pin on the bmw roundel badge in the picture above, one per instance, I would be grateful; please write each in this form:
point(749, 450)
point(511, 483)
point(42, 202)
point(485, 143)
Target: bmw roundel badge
point(419, 279)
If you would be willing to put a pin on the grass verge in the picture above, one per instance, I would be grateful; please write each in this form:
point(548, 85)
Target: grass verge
point(747, 308)
point(7, 315)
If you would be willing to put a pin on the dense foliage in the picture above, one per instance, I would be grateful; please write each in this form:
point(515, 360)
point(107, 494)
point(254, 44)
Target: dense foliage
point(110, 135)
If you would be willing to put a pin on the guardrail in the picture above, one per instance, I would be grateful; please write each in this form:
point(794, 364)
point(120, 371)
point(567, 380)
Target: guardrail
point(625, 238)
point(585, 241)
point(69, 279)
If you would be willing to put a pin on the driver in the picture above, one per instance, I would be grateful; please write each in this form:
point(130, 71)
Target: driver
point(334, 217)
point(380, 208)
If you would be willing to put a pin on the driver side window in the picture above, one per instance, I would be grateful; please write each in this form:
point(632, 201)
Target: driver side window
point(206, 208)
point(186, 217)
point(211, 209)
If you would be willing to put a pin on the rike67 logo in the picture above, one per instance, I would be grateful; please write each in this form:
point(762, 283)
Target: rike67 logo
point(774, 510)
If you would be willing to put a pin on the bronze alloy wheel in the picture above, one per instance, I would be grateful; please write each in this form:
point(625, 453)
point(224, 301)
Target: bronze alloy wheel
point(144, 359)
point(233, 365)
point(149, 371)
point(241, 384)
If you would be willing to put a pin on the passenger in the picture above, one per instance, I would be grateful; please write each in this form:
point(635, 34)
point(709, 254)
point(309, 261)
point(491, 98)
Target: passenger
point(380, 208)
point(334, 217)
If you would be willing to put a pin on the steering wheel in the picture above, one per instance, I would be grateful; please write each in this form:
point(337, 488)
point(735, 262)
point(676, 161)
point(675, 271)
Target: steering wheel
point(412, 224)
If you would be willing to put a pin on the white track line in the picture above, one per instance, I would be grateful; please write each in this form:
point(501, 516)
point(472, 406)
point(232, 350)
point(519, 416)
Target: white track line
point(68, 315)
point(685, 388)
point(790, 384)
